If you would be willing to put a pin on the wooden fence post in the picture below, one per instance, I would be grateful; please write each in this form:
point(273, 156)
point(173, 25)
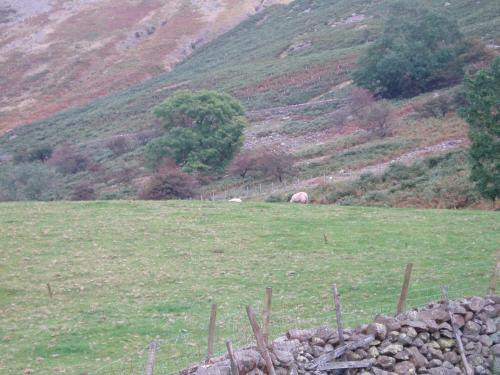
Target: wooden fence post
point(404, 289)
point(261, 345)
point(49, 289)
point(266, 314)
point(150, 364)
point(232, 358)
point(457, 334)
point(338, 313)
point(211, 331)
point(492, 290)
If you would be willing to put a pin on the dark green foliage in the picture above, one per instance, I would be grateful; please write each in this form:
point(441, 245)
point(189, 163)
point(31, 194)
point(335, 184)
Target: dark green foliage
point(83, 192)
point(204, 130)
point(273, 198)
point(39, 153)
point(29, 181)
point(483, 115)
point(418, 51)
point(440, 181)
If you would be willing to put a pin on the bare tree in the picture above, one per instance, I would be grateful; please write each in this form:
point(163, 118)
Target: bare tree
point(376, 119)
point(371, 115)
point(269, 163)
point(275, 163)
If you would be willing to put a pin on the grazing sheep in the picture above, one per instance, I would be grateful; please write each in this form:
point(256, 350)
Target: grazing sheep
point(300, 197)
point(235, 200)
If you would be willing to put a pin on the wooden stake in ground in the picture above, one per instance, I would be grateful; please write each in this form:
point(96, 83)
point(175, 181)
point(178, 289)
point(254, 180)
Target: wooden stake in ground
point(261, 345)
point(404, 289)
point(211, 331)
point(456, 333)
point(266, 314)
point(232, 358)
point(49, 289)
point(338, 313)
point(492, 290)
point(150, 364)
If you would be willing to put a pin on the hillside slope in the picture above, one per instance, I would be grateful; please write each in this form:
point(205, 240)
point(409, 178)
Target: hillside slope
point(58, 54)
point(303, 52)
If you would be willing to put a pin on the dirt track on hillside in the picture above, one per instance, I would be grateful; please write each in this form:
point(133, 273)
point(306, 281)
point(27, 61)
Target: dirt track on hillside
point(406, 159)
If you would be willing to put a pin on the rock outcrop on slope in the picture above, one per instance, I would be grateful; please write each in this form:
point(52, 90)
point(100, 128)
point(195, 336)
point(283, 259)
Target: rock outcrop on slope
point(416, 342)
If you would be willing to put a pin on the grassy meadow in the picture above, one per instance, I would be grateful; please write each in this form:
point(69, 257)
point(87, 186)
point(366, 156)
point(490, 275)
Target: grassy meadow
point(123, 273)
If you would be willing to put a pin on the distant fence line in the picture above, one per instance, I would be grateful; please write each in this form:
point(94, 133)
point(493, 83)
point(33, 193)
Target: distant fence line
point(286, 186)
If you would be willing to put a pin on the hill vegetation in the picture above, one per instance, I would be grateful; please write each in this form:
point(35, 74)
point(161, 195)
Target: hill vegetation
point(61, 54)
point(304, 52)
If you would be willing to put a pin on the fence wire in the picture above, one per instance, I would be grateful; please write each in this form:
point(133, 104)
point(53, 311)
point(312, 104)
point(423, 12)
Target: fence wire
point(369, 292)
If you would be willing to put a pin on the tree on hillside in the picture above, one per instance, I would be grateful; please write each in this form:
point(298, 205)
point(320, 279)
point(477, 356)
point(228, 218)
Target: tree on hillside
point(169, 182)
point(276, 164)
point(204, 131)
point(371, 115)
point(418, 51)
point(483, 115)
point(244, 163)
point(268, 163)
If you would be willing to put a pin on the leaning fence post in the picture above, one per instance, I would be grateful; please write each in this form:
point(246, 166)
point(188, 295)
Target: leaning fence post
point(211, 331)
point(338, 313)
point(494, 276)
point(404, 289)
point(232, 358)
point(150, 364)
point(261, 345)
point(456, 332)
point(49, 289)
point(266, 314)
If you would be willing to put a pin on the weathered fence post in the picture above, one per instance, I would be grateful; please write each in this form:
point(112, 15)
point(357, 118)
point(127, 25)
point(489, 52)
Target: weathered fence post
point(338, 313)
point(494, 276)
point(49, 289)
point(211, 331)
point(261, 345)
point(456, 332)
point(150, 364)
point(404, 289)
point(232, 358)
point(266, 314)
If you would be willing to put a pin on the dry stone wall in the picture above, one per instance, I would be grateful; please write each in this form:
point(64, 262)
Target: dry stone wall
point(416, 342)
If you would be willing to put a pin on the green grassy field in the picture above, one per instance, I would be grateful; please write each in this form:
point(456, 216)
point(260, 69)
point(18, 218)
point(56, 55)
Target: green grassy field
point(123, 273)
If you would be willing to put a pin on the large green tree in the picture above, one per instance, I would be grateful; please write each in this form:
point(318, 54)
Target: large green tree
point(418, 51)
point(483, 115)
point(204, 130)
